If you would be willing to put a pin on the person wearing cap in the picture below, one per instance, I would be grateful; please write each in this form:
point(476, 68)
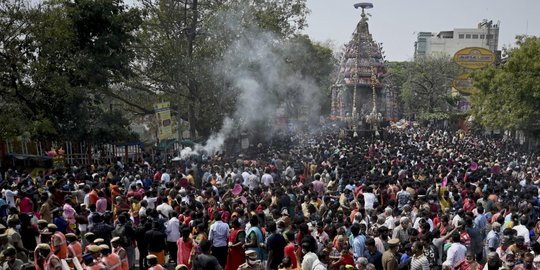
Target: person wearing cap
point(45, 259)
point(252, 263)
point(120, 251)
point(74, 247)
point(181, 267)
point(110, 259)
point(94, 250)
point(10, 259)
point(15, 239)
point(98, 241)
point(42, 227)
point(58, 242)
point(153, 263)
point(89, 238)
point(390, 257)
point(90, 263)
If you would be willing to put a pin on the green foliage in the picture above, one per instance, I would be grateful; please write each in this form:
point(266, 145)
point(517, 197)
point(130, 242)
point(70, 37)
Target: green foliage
point(436, 116)
point(165, 66)
point(425, 85)
point(57, 63)
point(509, 95)
point(63, 62)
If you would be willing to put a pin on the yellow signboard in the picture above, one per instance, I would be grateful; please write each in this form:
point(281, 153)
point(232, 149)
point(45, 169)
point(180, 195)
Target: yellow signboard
point(474, 57)
point(464, 84)
point(163, 115)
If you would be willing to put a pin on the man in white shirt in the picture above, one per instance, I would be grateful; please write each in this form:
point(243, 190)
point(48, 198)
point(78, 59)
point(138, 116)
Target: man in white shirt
point(253, 181)
point(369, 199)
point(11, 194)
point(456, 252)
point(165, 177)
point(245, 177)
point(172, 229)
point(389, 219)
point(267, 178)
point(164, 209)
point(142, 210)
point(522, 230)
point(219, 236)
point(151, 200)
point(289, 172)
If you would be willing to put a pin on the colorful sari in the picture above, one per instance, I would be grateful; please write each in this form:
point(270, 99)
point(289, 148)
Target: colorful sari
point(183, 254)
point(260, 239)
point(236, 254)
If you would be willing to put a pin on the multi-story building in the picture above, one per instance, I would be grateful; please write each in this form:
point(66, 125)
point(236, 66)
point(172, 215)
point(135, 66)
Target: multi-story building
point(486, 35)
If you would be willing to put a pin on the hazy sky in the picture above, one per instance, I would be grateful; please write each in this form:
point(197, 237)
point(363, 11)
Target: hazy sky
point(396, 22)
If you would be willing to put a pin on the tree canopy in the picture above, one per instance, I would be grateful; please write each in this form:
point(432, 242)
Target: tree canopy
point(58, 61)
point(509, 96)
point(82, 70)
point(425, 85)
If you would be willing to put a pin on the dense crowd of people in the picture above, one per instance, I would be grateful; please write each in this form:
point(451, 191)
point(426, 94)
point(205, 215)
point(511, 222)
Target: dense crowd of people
point(410, 199)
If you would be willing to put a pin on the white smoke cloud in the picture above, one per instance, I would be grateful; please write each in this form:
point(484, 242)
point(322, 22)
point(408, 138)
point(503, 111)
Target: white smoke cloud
point(256, 67)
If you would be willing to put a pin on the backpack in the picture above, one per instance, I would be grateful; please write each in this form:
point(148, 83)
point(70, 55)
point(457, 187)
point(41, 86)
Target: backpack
point(120, 231)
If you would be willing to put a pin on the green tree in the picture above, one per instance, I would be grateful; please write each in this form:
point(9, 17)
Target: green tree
point(312, 61)
point(59, 60)
point(509, 96)
point(182, 40)
point(425, 86)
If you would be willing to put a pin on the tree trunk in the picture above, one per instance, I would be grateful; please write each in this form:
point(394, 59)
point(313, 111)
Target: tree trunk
point(192, 85)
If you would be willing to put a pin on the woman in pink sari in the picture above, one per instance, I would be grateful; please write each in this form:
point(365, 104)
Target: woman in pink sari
point(185, 247)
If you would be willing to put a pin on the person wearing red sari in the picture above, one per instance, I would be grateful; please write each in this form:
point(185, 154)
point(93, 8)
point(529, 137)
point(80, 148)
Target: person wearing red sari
point(236, 246)
point(290, 249)
point(185, 247)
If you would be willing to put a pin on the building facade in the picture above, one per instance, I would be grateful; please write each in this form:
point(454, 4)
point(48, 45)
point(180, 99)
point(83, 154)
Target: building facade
point(486, 35)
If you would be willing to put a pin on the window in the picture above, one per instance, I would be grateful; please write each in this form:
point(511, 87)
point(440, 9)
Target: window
point(482, 36)
point(461, 36)
point(490, 36)
point(468, 36)
point(475, 36)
